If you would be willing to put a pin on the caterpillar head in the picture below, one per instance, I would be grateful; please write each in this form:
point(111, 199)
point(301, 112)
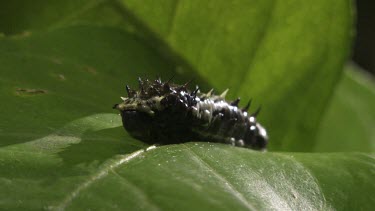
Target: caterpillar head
point(141, 110)
point(260, 137)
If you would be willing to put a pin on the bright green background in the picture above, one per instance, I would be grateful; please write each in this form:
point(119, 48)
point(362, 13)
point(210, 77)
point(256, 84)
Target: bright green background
point(64, 64)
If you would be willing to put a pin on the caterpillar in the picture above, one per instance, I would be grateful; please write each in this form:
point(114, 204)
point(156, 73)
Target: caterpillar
point(166, 113)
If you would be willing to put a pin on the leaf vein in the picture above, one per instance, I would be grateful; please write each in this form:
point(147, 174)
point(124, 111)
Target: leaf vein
point(94, 178)
point(173, 17)
point(259, 42)
point(227, 183)
point(141, 194)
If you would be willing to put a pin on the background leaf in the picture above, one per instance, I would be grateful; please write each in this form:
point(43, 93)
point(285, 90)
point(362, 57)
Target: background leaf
point(349, 121)
point(39, 14)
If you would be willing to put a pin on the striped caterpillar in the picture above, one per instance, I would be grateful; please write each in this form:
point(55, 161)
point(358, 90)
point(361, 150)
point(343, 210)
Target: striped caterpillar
point(166, 113)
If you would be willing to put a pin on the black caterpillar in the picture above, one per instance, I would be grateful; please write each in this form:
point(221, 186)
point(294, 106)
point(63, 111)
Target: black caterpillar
point(166, 113)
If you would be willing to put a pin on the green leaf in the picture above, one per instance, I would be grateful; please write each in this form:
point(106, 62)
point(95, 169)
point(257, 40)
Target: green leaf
point(349, 122)
point(192, 176)
point(214, 176)
point(40, 14)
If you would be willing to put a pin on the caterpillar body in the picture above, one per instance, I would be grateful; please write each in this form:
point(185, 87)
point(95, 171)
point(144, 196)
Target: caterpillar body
point(166, 113)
